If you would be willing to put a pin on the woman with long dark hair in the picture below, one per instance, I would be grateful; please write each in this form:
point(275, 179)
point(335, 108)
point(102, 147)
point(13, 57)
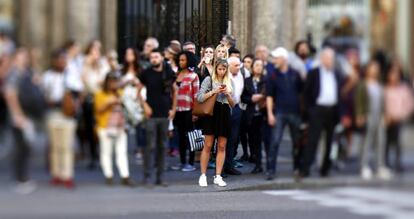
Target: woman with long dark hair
point(130, 72)
point(207, 62)
point(253, 95)
point(188, 84)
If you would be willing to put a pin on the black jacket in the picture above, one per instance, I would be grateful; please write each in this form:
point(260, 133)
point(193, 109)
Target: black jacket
point(312, 89)
point(247, 94)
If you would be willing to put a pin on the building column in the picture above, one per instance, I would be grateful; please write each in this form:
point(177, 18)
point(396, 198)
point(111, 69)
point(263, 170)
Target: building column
point(411, 55)
point(32, 29)
point(240, 14)
point(58, 33)
point(403, 32)
point(109, 27)
point(278, 22)
point(83, 20)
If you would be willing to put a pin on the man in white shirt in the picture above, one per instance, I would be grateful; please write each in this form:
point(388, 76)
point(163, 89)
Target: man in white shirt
point(237, 81)
point(322, 104)
point(233, 52)
point(73, 74)
point(61, 129)
point(327, 95)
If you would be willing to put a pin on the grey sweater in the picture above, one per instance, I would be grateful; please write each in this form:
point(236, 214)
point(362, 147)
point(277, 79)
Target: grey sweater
point(206, 87)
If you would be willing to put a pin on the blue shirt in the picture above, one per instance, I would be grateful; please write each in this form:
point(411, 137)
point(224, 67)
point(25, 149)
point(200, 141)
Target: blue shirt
point(285, 88)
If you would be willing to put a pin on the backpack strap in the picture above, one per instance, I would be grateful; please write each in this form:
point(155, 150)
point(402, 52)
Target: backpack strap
point(243, 72)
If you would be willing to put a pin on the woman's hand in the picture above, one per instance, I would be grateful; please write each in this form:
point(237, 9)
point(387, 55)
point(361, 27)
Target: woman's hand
point(217, 90)
point(257, 97)
point(114, 101)
point(201, 62)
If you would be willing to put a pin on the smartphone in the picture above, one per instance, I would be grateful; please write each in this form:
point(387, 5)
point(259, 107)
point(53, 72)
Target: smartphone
point(223, 86)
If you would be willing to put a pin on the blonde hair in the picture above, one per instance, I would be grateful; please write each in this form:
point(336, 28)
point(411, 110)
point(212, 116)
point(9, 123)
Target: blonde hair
point(221, 46)
point(226, 78)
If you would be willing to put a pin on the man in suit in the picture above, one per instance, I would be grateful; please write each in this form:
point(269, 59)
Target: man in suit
point(322, 98)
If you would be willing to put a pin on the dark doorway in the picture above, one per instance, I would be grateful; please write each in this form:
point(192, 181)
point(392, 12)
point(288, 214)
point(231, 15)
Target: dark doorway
point(200, 21)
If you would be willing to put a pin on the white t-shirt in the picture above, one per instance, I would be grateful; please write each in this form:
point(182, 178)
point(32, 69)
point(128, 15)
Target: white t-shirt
point(73, 76)
point(93, 78)
point(53, 85)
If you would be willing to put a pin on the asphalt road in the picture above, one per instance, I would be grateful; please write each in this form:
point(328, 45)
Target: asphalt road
point(103, 202)
point(184, 199)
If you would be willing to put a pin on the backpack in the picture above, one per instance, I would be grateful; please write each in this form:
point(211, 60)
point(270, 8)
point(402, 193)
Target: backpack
point(31, 97)
point(243, 72)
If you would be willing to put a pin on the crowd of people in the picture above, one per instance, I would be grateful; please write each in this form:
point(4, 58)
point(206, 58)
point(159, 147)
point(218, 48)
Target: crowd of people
point(154, 96)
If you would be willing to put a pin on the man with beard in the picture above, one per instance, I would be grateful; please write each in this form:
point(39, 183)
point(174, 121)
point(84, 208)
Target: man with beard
point(159, 108)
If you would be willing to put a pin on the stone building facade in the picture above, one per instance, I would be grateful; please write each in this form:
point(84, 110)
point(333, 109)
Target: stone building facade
point(46, 24)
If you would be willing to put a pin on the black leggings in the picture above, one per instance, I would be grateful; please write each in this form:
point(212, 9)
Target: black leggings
point(89, 121)
point(184, 123)
point(255, 131)
point(21, 156)
point(393, 140)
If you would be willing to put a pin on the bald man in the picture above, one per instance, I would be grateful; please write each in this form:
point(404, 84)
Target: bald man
point(322, 99)
point(237, 81)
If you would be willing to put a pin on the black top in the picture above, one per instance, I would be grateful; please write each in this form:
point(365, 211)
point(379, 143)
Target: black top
point(203, 73)
point(159, 90)
point(285, 88)
point(251, 88)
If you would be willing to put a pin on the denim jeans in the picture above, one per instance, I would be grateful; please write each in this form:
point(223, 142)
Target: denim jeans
point(293, 121)
point(157, 135)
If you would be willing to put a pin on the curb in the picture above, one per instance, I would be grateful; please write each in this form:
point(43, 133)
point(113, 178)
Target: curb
point(315, 183)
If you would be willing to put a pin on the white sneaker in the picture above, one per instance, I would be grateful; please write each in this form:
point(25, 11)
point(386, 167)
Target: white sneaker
point(366, 173)
point(202, 181)
point(218, 180)
point(384, 173)
point(25, 188)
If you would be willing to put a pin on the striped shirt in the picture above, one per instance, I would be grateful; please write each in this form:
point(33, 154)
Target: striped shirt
point(187, 92)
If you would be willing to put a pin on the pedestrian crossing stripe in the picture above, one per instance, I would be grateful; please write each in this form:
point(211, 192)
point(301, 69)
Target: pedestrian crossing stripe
point(362, 201)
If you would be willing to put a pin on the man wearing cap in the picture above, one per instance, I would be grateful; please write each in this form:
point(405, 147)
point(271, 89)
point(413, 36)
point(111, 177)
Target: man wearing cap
point(283, 90)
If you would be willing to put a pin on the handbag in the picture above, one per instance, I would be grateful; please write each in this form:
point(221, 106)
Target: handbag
point(196, 139)
point(205, 108)
point(116, 122)
point(134, 113)
point(68, 105)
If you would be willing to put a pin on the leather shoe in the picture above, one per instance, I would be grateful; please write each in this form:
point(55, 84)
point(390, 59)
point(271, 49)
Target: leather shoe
point(257, 170)
point(232, 171)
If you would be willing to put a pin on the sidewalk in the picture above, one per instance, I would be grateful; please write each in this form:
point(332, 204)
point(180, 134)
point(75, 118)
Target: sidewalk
point(93, 181)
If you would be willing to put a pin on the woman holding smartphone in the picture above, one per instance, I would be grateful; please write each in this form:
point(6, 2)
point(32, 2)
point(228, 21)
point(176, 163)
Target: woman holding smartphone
point(218, 125)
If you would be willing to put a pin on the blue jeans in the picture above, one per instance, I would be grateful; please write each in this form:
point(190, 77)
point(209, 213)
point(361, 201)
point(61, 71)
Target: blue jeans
point(293, 121)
